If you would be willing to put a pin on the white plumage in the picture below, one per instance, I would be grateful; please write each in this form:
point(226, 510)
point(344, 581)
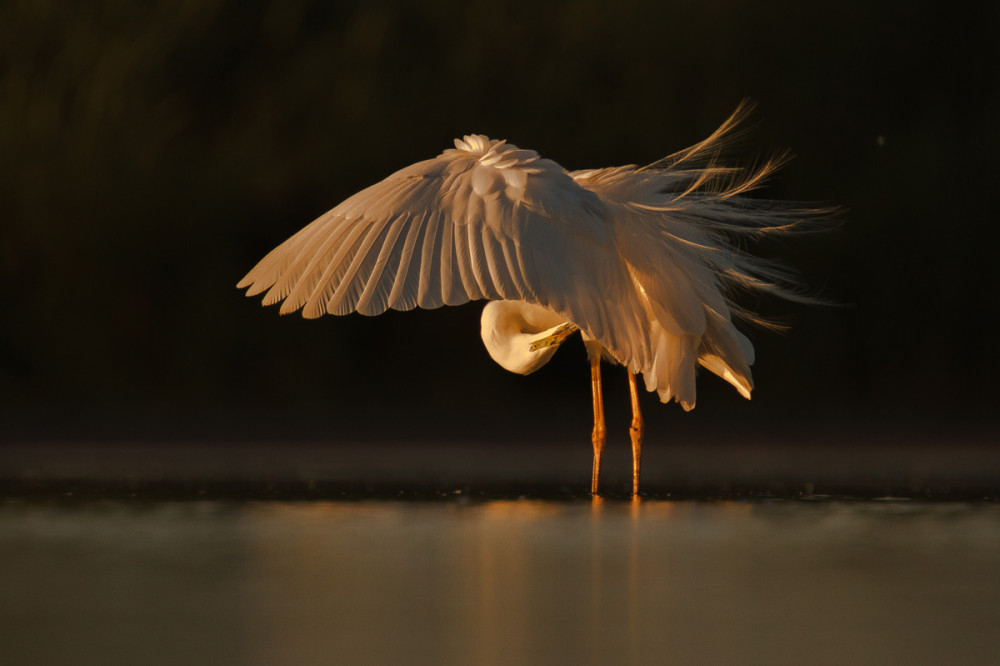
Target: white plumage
point(644, 261)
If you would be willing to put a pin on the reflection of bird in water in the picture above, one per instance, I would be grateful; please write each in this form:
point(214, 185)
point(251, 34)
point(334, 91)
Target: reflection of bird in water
point(643, 261)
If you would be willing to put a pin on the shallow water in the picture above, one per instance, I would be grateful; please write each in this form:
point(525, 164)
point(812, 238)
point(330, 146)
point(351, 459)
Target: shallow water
point(499, 582)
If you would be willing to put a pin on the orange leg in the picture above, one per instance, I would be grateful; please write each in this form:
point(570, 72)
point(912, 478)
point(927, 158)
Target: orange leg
point(635, 431)
point(599, 430)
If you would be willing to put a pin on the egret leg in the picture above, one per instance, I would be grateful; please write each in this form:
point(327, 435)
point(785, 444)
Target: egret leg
point(635, 431)
point(599, 430)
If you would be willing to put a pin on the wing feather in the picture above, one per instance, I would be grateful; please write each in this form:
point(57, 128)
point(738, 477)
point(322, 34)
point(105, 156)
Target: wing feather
point(463, 260)
point(522, 290)
point(452, 288)
point(278, 263)
point(496, 264)
point(379, 282)
point(403, 295)
point(282, 270)
point(334, 253)
point(430, 290)
point(352, 280)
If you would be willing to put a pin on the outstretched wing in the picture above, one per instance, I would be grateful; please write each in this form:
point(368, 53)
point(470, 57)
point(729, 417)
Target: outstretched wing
point(484, 220)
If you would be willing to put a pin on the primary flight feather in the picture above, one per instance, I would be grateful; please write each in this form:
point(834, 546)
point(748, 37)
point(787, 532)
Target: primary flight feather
point(645, 262)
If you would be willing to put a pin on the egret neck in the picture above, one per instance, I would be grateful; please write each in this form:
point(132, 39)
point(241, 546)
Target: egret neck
point(521, 336)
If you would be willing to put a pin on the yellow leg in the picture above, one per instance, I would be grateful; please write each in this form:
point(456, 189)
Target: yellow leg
point(635, 431)
point(599, 430)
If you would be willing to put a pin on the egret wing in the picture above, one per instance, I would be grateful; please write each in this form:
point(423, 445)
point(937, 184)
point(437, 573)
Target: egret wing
point(485, 220)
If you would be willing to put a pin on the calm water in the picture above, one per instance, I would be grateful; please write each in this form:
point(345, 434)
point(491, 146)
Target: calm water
point(499, 582)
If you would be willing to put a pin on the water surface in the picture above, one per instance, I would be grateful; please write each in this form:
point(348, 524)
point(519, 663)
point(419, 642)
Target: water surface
point(499, 582)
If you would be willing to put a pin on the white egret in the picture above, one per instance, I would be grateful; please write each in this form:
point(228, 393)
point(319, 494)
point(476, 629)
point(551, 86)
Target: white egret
point(644, 261)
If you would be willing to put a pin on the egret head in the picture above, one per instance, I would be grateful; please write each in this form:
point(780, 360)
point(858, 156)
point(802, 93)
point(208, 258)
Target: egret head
point(521, 336)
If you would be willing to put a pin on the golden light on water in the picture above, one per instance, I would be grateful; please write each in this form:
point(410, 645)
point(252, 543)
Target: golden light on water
point(504, 582)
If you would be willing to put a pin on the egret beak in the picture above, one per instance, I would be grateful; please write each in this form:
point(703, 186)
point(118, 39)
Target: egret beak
point(556, 339)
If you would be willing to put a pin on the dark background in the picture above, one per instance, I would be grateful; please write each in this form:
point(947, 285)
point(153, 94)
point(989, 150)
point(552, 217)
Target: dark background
point(151, 153)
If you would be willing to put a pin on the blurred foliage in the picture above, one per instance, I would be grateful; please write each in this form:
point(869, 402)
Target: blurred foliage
point(151, 152)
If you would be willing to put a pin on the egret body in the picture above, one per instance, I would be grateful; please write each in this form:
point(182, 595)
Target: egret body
point(645, 262)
